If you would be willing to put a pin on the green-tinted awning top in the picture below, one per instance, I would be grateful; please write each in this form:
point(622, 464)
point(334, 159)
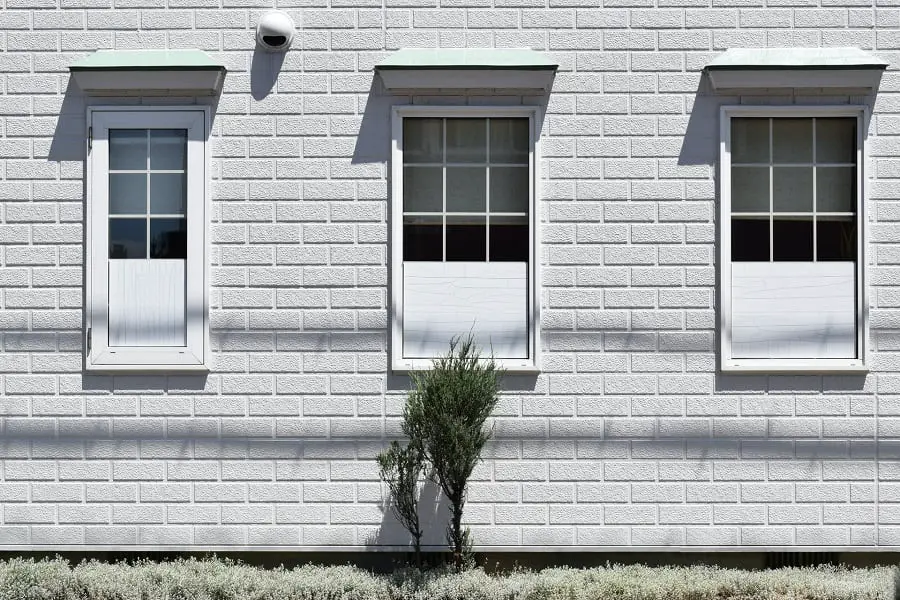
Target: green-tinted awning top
point(148, 72)
point(147, 60)
point(467, 59)
point(761, 59)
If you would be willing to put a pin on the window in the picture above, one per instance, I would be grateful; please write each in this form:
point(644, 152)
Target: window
point(146, 264)
point(464, 233)
point(791, 251)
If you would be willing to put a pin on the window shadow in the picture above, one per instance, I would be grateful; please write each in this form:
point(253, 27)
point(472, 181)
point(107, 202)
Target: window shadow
point(699, 153)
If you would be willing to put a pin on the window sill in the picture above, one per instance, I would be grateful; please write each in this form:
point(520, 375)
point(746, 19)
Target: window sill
point(788, 367)
point(510, 366)
point(174, 369)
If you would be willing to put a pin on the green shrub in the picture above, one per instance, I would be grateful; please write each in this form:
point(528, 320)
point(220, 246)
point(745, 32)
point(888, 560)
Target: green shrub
point(221, 580)
point(445, 413)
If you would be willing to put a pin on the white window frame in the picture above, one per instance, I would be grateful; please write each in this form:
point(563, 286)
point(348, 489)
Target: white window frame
point(780, 365)
point(533, 113)
point(194, 355)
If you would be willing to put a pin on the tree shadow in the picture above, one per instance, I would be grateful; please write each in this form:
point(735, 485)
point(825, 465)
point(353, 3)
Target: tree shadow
point(434, 516)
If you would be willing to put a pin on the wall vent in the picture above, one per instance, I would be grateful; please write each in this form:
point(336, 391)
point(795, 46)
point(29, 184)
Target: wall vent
point(777, 560)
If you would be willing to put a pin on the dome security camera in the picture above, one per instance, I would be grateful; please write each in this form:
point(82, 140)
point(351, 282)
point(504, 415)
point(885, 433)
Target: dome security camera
point(275, 31)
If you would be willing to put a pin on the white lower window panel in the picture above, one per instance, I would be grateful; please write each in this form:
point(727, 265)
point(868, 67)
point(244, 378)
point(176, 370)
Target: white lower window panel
point(793, 310)
point(443, 300)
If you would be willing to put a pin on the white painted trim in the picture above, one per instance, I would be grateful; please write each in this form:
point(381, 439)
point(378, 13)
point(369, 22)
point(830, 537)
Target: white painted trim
point(730, 364)
point(144, 82)
point(193, 356)
point(398, 363)
point(424, 79)
point(737, 79)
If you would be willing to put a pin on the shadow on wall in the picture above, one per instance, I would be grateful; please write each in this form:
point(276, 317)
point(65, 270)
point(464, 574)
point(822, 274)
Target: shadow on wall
point(700, 148)
point(434, 516)
point(69, 137)
point(373, 141)
point(264, 70)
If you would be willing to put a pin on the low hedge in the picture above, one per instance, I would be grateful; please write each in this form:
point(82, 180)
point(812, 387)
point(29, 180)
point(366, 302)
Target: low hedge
point(190, 579)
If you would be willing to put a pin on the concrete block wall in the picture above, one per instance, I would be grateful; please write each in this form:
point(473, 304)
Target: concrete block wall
point(628, 439)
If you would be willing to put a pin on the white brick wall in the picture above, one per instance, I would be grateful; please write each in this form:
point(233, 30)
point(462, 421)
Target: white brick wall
point(629, 438)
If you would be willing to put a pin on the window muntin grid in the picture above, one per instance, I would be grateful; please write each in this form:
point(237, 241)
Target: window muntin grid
point(793, 189)
point(466, 189)
point(147, 193)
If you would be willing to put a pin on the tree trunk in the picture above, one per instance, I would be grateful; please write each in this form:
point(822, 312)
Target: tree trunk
point(457, 534)
point(417, 538)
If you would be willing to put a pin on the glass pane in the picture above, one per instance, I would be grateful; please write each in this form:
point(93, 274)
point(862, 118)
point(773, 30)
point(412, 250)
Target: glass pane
point(835, 238)
point(792, 239)
point(836, 189)
point(792, 189)
point(836, 140)
point(509, 141)
point(750, 140)
point(423, 140)
point(168, 238)
point(466, 189)
point(423, 238)
point(509, 239)
point(128, 149)
point(167, 193)
point(792, 140)
point(467, 140)
point(750, 240)
point(168, 149)
point(128, 238)
point(509, 189)
point(423, 189)
point(466, 238)
point(750, 189)
point(127, 194)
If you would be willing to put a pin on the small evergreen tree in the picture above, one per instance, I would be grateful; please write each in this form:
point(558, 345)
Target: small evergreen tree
point(401, 468)
point(446, 411)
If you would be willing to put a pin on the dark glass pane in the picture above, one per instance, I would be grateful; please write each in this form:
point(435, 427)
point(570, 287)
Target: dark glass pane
point(750, 240)
point(792, 189)
point(127, 149)
point(423, 189)
point(423, 239)
point(466, 238)
point(509, 189)
point(466, 189)
point(509, 239)
point(168, 238)
point(466, 140)
point(168, 149)
point(749, 140)
point(423, 140)
point(836, 238)
point(836, 189)
point(750, 189)
point(127, 194)
point(836, 140)
point(792, 140)
point(792, 240)
point(509, 141)
point(128, 238)
point(168, 193)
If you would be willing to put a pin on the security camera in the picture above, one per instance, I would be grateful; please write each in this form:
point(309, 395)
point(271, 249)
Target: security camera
point(275, 31)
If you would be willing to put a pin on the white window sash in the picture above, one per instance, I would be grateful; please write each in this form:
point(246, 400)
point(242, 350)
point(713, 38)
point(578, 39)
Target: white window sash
point(530, 364)
point(99, 356)
point(728, 362)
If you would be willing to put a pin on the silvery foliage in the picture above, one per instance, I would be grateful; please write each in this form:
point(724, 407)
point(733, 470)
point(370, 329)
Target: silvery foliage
point(26, 579)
